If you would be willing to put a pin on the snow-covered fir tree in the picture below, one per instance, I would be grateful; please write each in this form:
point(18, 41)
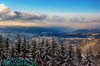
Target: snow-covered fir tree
point(88, 61)
point(78, 57)
point(46, 51)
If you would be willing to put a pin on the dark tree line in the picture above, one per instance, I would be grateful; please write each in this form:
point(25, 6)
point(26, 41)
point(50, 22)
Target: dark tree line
point(47, 52)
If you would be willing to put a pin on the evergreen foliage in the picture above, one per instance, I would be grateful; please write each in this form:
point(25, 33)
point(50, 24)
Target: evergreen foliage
point(47, 52)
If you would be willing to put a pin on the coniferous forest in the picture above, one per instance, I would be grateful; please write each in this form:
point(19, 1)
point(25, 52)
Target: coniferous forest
point(47, 52)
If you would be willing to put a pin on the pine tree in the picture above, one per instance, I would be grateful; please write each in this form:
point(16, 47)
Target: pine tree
point(2, 52)
point(24, 48)
point(13, 53)
point(7, 46)
point(78, 57)
point(39, 56)
point(1, 42)
point(18, 46)
point(53, 53)
point(7, 43)
point(62, 55)
point(34, 49)
point(70, 61)
point(88, 61)
point(1, 39)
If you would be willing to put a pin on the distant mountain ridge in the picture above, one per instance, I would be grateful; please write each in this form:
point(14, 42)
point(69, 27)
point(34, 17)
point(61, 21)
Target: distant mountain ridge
point(36, 29)
point(88, 30)
point(24, 29)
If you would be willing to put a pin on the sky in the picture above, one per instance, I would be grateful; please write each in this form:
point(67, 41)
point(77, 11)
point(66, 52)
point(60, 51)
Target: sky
point(74, 13)
point(73, 6)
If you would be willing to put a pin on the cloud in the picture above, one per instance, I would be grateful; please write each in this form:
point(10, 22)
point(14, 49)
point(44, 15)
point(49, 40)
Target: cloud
point(8, 14)
point(29, 16)
point(4, 9)
point(8, 17)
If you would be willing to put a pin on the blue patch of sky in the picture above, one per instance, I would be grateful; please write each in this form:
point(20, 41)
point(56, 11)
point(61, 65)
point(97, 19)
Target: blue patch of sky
point(72, 6)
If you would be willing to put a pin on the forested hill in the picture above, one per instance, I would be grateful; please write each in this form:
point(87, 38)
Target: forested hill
point(93, 45)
